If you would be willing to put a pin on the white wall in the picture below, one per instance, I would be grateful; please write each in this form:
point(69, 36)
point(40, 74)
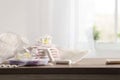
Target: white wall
point(34, 18)
point(39, 16)
point(13, 16)
point(25, 17)
point(61, 22)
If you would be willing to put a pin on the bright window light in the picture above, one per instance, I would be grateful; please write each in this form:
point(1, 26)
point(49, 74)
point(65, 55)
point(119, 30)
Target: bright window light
point(105, 20)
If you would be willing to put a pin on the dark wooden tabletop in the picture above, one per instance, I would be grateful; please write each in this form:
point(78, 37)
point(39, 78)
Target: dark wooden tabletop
point(85, 66)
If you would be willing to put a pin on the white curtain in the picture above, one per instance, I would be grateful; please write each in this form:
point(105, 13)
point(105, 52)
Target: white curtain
point(71, 23)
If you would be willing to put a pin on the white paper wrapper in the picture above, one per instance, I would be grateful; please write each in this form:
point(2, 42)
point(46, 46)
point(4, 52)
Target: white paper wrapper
point(72, 55)
point(10, 43)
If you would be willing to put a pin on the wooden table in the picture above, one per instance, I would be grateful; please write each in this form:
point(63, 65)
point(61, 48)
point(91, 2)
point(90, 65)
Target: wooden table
point(86, 69)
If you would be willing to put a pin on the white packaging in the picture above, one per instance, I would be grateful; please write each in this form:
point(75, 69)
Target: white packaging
point(10, 43)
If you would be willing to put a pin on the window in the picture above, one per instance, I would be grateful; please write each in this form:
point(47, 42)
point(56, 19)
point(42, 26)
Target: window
point(107, 28)
point(107, 21)
point(118, 15)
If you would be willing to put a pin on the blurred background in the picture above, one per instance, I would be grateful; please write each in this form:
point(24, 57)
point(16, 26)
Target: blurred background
point(91, 25)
